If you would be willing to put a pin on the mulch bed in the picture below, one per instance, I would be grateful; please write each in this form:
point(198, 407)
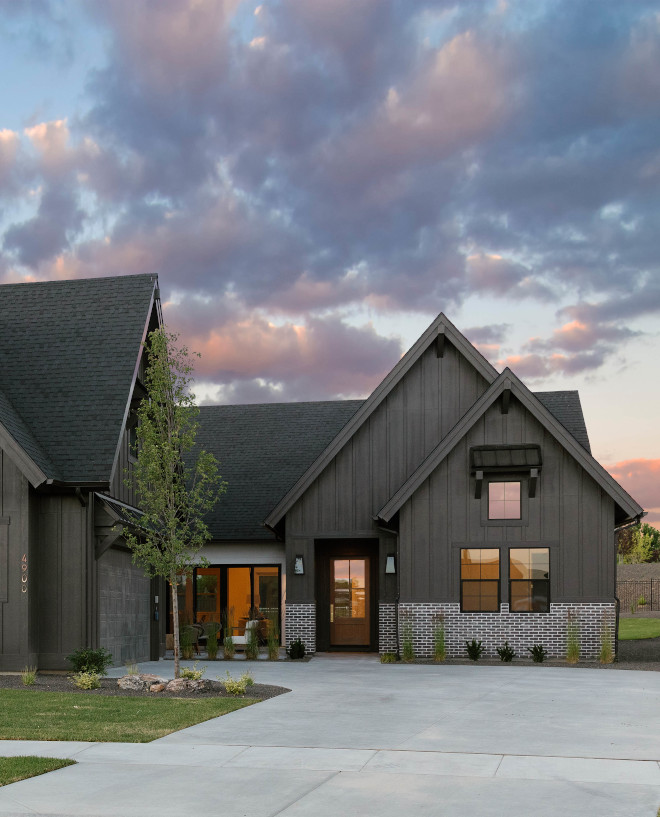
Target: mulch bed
point(61, 683)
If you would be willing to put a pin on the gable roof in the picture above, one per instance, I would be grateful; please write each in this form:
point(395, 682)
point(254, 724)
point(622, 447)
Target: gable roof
point(441, 327)
point(628, 508)
point(68, 358)
point(263, 449)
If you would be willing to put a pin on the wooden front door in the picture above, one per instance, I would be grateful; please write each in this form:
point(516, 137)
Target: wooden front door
point(349, 602)
point(346, 588)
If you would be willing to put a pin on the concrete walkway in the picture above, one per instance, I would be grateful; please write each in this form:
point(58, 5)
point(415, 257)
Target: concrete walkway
point(355, 737)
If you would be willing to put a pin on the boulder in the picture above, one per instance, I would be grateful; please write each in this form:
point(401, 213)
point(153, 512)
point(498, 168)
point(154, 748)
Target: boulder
point(187, 685)
point(138, 683)
point(157, 687)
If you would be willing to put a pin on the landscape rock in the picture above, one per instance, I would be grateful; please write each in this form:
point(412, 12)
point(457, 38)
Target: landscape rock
point(157, 687)
point(187, 685)
point(137, 683)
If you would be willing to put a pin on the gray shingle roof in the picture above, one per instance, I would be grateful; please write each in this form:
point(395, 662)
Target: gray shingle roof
point(264, 449)
point(67, 358)
point(566, 407)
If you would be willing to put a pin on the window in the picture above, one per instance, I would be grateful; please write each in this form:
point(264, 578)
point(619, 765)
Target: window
point(480, 580)
point(504, 500)
point(529, 580)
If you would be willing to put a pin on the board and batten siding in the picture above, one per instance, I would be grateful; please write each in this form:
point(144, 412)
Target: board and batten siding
point(17, 613)
point(419, 411)
point(570, 513)
point(63, 570)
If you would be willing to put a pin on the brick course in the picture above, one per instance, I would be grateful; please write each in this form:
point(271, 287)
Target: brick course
point(521, 630)
point(301, 623)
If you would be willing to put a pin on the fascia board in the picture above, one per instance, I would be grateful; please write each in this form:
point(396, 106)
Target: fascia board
point(136, 369)
point(441, 323)
point(25, 464)
point(509, 380)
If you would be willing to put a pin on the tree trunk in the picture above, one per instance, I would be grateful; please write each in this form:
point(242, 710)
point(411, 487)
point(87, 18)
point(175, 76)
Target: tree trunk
point(175, 625)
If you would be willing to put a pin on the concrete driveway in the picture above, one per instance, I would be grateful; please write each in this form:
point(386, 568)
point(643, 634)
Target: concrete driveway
point(355, 737)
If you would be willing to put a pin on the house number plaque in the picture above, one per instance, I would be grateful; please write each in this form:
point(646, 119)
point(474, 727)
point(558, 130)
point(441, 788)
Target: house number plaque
point(24, 574)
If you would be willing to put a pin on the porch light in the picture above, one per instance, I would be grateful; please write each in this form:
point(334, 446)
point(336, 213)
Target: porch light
point(299, 566)
point(390, 564)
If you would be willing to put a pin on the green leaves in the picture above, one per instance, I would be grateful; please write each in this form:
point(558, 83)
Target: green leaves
point(176, 486)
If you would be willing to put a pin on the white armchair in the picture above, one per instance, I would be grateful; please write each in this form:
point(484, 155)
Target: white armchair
point(241, 640)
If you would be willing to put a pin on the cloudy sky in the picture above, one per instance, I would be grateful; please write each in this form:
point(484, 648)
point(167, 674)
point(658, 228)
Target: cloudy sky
point(314, 180)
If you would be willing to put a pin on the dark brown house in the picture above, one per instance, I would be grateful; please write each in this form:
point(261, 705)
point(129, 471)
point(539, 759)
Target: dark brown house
point(452, 490)
point(70, 359)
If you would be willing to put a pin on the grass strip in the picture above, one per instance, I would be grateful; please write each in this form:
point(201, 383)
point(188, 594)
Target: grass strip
point(106, 718)
point(13, 769)
point(634, 628)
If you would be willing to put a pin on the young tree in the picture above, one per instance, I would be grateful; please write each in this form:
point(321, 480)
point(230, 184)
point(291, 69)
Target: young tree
point(638, 544)
point(176, 486)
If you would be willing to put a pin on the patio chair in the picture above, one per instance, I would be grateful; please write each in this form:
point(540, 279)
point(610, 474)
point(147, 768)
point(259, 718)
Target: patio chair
point(242, 640)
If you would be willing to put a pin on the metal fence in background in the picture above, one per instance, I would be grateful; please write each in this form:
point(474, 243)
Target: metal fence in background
point(643, 593)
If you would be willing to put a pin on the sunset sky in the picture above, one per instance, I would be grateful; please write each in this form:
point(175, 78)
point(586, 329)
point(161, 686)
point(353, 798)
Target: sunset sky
point(314, 180)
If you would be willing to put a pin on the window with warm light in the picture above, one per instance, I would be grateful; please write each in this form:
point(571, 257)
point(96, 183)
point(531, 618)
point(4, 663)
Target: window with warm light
point(504, 500)
point(529, 580)
point(480, 580)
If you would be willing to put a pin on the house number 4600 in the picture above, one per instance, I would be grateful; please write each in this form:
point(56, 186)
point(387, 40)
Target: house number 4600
point(24, 574)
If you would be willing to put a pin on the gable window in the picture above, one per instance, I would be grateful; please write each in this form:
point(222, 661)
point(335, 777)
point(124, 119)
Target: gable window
point(529, 580)
point(504, 500)
point(480, 580)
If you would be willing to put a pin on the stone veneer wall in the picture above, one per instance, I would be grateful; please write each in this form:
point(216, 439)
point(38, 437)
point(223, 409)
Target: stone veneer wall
point(521, 630)
point(301, 623)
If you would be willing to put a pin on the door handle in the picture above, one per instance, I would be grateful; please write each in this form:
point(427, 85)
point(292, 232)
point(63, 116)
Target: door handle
point(332, 613)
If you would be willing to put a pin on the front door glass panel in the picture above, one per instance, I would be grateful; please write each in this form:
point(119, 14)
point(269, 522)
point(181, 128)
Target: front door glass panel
point(349, 602)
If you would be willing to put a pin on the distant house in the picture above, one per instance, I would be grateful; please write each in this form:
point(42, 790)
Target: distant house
point(70, 363)
point(452, 490)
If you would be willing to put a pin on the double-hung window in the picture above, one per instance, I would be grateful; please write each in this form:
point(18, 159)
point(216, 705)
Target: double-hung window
point(529, 580)
point(480, 580)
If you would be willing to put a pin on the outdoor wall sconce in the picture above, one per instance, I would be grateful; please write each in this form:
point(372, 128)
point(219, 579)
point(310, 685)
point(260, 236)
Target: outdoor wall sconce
point(299, 566)
point(390, 563)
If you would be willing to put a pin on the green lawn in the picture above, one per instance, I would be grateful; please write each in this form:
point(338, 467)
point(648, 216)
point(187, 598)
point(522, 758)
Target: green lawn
point(13, 769)
point(70, 716)
point(631, 628)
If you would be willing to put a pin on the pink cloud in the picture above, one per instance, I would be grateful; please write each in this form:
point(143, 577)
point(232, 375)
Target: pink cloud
point(641, 478)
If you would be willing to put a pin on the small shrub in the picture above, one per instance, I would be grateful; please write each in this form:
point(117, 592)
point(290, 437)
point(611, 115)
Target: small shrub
point(641, 601)
point(212, 645)
point(132, 668)
point(388, 658)
point(633, 607)
point(192, 673)
point(297, 649)
point(29, 676)
point(439, 646)
point(273, 638)
point(506, 653)
point(252, 644)
point(572, 638)
point(606, 655)
point(86, 680)
point(407, 648)
point(247, 678)
point(228, 647)
point(474, 649)
point(88, 660)
point(538, 653)
point(234, 686)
